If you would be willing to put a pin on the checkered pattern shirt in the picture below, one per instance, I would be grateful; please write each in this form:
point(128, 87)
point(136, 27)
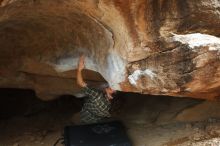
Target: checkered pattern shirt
point(96, 106)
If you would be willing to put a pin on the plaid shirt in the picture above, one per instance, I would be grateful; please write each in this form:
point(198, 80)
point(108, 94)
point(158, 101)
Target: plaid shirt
point(96, 106)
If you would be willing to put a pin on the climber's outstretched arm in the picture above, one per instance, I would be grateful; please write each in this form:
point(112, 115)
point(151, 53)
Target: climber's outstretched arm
point(81, 65)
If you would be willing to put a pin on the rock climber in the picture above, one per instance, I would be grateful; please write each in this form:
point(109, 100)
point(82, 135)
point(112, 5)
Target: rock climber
point(97, 103)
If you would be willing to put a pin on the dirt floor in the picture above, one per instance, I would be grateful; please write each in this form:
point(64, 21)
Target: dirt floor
point(149, 120)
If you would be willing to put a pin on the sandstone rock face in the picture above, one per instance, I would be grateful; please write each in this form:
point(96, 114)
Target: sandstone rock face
point(146, 46)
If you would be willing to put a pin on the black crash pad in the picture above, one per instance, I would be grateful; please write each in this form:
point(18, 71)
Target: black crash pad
point(101, 134)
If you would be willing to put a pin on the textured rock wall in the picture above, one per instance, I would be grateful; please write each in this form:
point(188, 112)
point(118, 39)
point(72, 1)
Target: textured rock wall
point(146, 46)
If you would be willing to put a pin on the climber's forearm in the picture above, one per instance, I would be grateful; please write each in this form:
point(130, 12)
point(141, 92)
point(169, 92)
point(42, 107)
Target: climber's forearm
point(79, 78)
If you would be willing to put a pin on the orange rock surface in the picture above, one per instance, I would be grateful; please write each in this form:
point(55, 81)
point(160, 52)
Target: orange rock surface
point(146, 46)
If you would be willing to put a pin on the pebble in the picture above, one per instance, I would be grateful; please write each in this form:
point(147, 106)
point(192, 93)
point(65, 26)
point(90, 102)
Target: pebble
point(44, 133)
point(188, 126)
point(32, 138)
point(15, 144)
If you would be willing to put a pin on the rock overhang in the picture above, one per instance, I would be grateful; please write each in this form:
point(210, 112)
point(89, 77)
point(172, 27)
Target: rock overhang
point(133, 45)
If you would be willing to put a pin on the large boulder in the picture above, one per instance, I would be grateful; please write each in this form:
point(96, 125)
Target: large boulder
point(146, 46)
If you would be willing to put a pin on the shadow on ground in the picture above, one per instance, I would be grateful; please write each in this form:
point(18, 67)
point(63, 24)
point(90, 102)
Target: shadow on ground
point(149, 120)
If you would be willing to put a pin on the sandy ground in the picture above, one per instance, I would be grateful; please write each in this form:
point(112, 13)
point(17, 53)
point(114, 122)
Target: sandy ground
point(149, 121)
